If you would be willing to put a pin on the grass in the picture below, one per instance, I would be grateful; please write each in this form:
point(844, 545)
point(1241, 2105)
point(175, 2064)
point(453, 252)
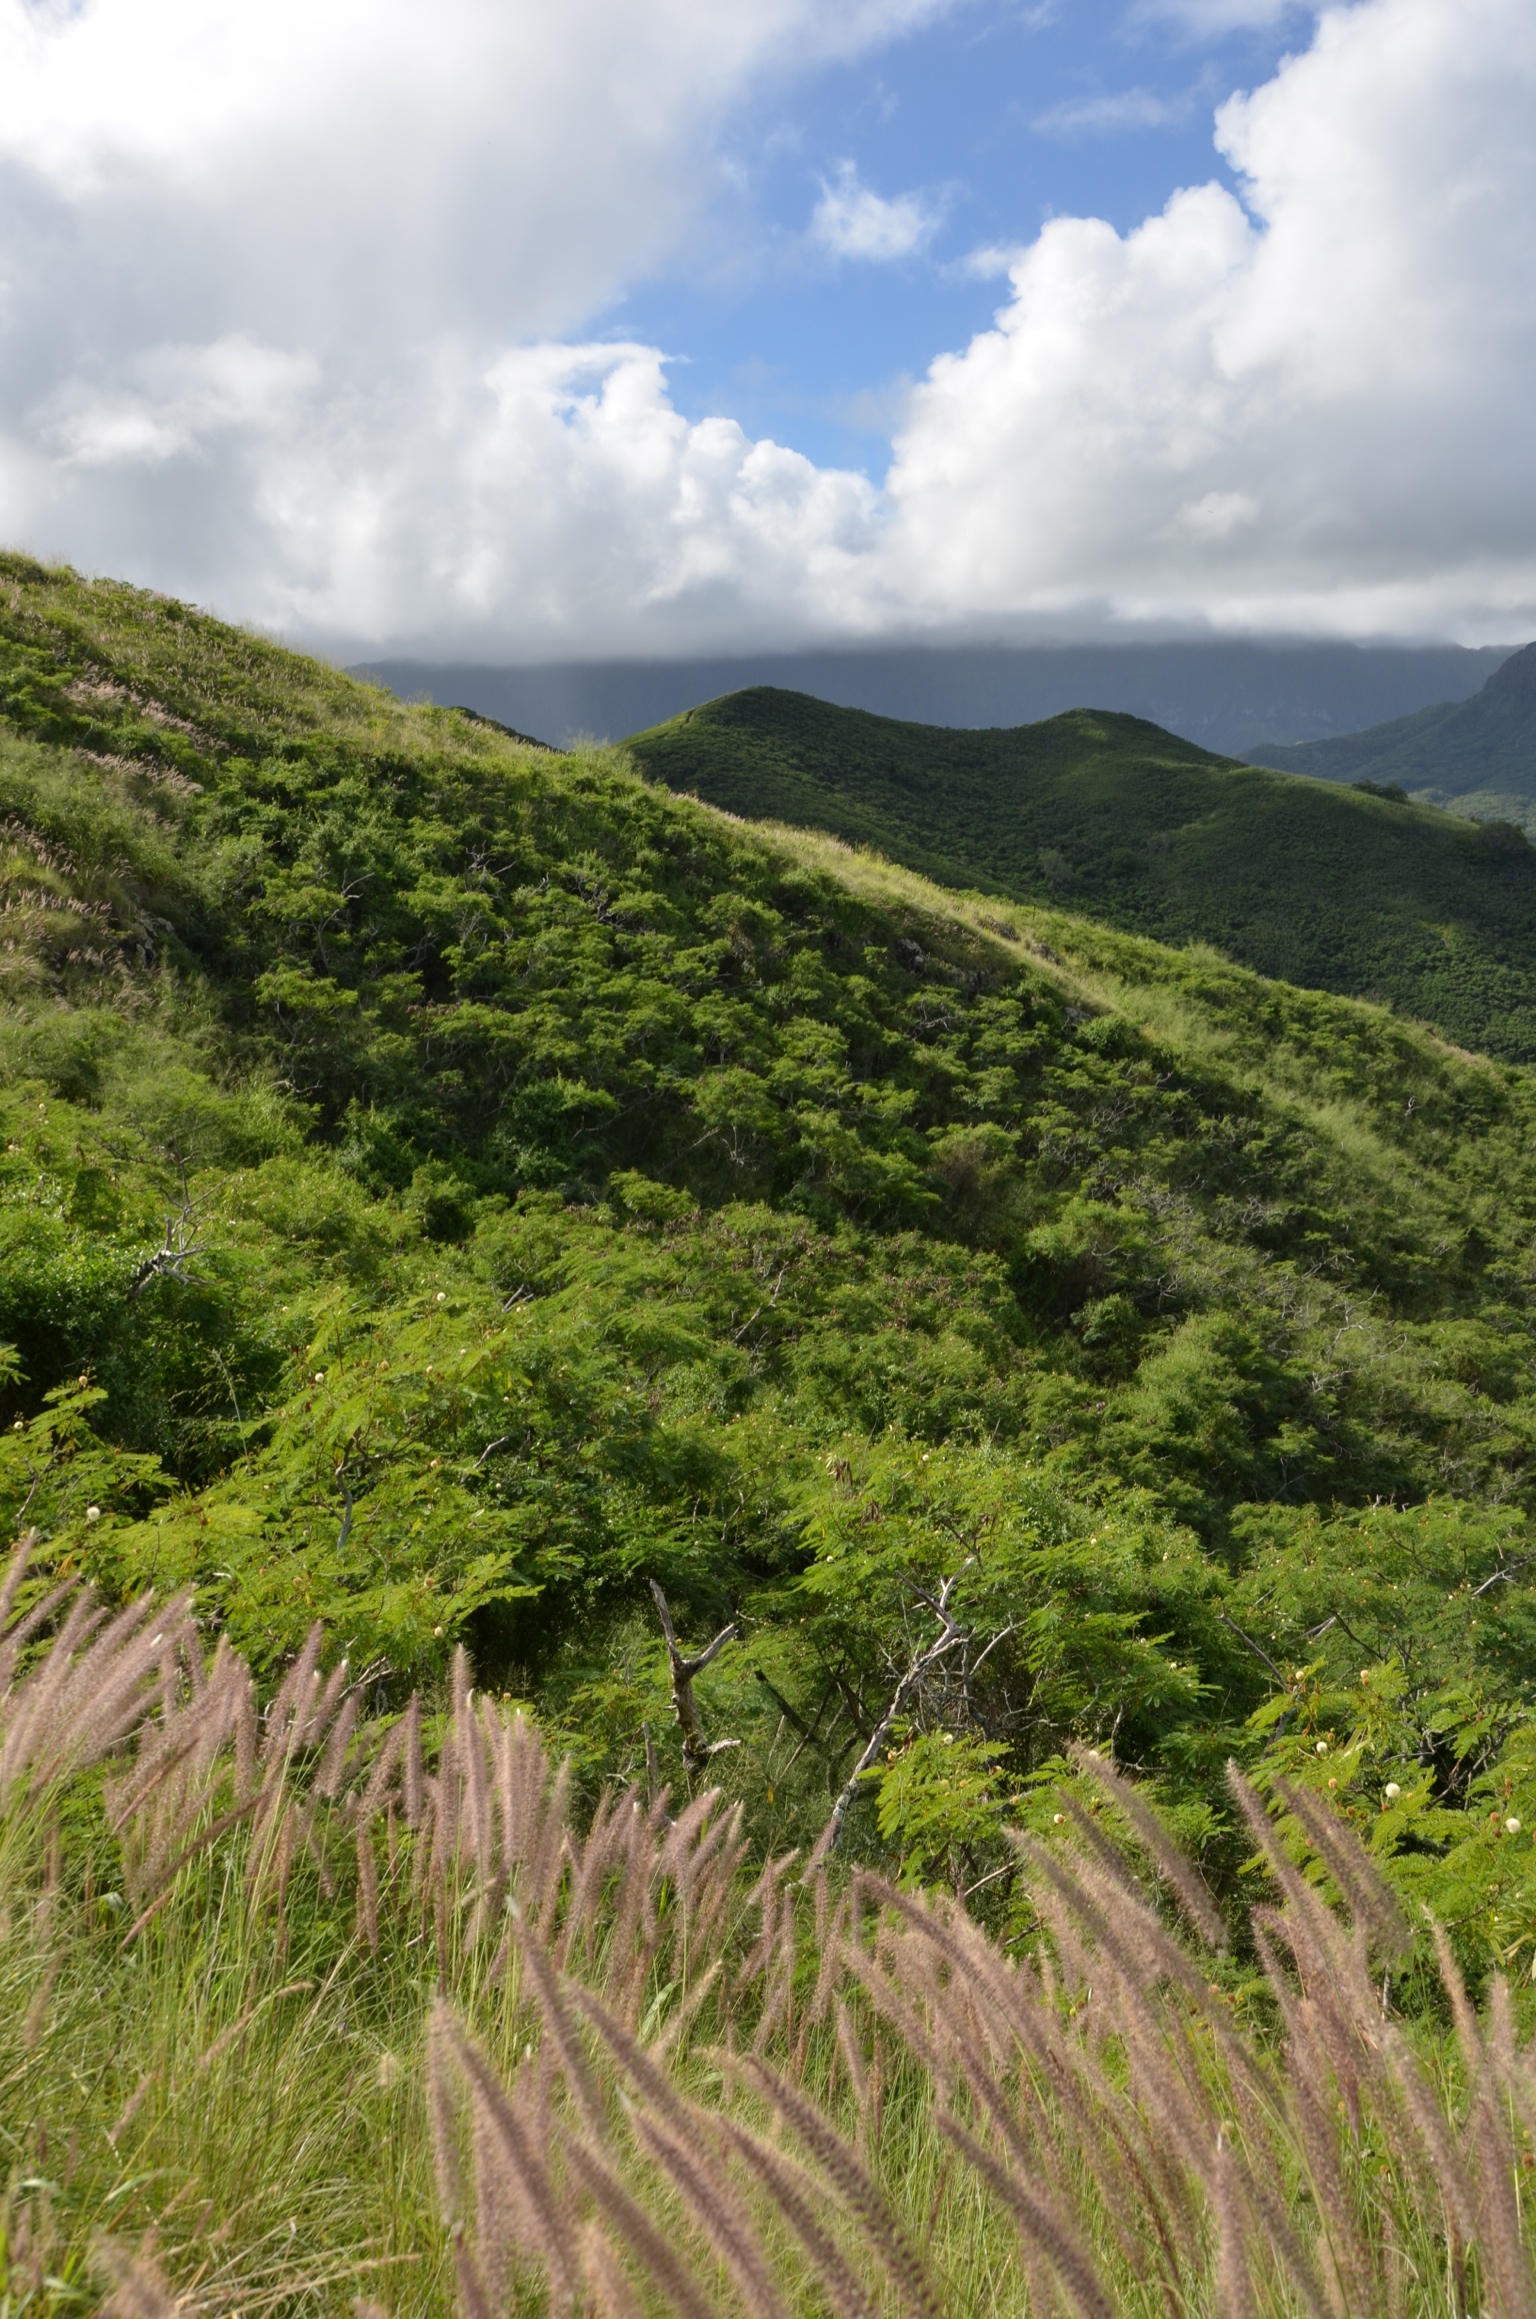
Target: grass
point(303, 2009)
point(1110, 818)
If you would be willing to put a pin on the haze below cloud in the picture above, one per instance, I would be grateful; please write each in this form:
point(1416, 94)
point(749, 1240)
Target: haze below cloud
point(305, 311)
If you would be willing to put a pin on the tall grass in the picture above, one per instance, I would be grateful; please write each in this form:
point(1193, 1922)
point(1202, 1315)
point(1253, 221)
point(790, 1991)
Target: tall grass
point(304, 2008)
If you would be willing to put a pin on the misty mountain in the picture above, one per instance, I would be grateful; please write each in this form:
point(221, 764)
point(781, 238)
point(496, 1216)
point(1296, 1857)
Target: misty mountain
point(1477, 757)
point(1235, 698)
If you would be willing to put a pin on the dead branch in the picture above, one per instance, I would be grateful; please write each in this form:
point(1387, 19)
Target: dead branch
point(175, 1253)
point(696, 1748)
point(950, 1633)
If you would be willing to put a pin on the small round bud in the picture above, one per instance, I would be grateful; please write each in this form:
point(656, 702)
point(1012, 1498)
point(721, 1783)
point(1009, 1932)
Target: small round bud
point(1393, 1791)
point(1322, 1747)
point(1511, 1826)
point(93, 1513)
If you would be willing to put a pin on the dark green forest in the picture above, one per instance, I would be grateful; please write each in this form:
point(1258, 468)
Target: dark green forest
point(448, 1186)
point(1353, 891)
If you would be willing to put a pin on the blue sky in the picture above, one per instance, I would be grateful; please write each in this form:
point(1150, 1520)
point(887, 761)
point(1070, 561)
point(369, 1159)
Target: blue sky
point(511, 331)
point(998, 117)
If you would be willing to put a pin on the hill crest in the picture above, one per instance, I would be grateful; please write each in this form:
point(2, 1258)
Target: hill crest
point(1111, 816)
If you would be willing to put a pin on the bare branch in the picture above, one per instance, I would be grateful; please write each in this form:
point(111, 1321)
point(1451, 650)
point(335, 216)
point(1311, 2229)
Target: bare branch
point(1233, 1626)
point(490, 1448)
point(175, 1253)
point(950, 1633)
point(696, 1748)
point(1503, 1577)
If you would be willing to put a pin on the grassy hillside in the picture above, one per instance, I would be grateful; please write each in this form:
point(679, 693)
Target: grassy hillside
point(445, 1188)
point(1476, 757)
point(1113, 818)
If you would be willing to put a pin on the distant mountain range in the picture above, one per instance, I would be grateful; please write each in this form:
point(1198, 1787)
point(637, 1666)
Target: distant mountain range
point(1477, 757)
point(1237, 698)
point(1111, 817)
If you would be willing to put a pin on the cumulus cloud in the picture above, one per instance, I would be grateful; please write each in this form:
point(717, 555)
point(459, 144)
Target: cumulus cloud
point(281, 279)
point(853, 221)
point(1308, 408)
point(295, 309)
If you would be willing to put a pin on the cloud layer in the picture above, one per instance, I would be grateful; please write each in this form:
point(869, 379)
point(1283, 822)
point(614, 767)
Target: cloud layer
point(293, 302)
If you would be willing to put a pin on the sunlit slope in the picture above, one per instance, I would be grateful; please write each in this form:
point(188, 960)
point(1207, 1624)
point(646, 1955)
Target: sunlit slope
point(566, 1179)
point(1113, 818)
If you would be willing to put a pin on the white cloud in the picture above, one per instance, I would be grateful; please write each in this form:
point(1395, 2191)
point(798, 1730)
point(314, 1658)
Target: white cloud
point(852, 221)
point(1308, 412)
point(1107, 115)
point(295, 303)
point(1216, 516)
point(263, 240)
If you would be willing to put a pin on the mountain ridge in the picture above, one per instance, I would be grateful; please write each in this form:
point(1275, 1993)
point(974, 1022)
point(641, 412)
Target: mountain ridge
point(1311, 882)
point(1475, 757)
point(1227, 696)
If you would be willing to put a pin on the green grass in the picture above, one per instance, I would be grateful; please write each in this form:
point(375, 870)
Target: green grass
point(1110, 818)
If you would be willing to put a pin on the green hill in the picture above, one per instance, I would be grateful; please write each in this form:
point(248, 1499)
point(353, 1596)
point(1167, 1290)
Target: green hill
point(1113, 817)
point(1477, 758)
point(446, 1185)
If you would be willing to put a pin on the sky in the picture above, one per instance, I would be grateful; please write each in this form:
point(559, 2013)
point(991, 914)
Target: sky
point(499, 330)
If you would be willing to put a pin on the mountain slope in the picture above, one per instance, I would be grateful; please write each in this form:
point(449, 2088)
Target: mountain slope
point(1472, 755)
point(446, 1185)
point(1115, 818)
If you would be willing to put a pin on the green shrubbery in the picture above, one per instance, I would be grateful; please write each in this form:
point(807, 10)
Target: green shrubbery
point(446, 1187)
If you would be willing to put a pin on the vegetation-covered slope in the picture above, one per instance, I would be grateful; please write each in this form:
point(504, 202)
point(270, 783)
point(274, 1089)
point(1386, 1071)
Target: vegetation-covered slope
point(1112, 817)
point(446, 1186)
point(1475, 757)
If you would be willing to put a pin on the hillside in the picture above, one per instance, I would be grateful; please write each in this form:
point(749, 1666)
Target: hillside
point(1475, 757)
point(447, 1186)
point(1114, 818)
